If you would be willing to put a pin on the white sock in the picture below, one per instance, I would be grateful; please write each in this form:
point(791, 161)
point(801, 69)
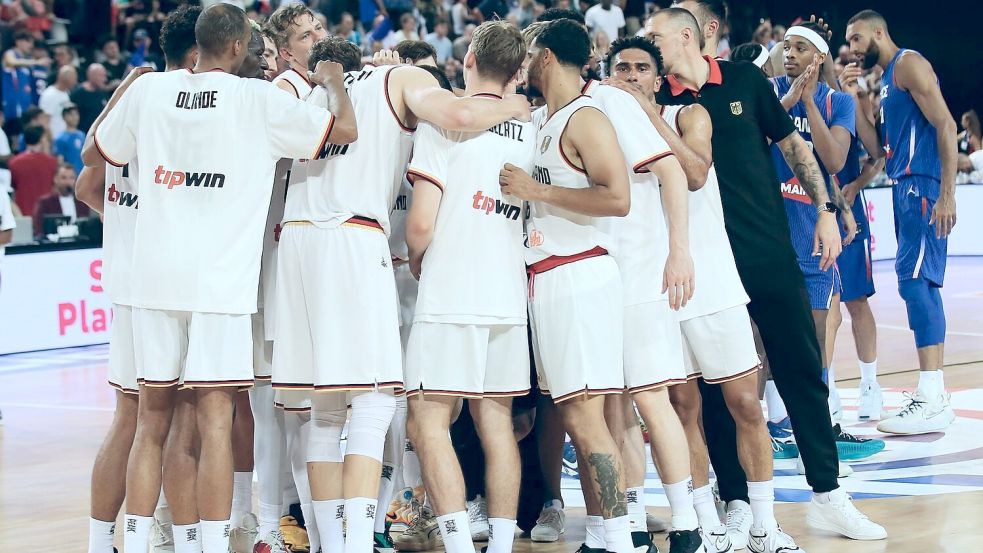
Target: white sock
point(456, 532)
point(311, 525)
point(930, 383)
point(269, 518)
point(776, 407)
point(762, 496)
point(187, 538)
point(680, 496)
point(242, 495)
point(706, 510)
point(412, 477)
point(386, 485)
point(215, 536)
point(617, 535)
point(360, 522)
point(330, 515)
point(831, 381)
point(101, 536)
point(595, 533)
point(501, 535)
point(868, 372)
point(136, 532)
point(635, 497)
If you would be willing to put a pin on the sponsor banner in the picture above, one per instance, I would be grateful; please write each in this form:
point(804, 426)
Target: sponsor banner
point(53, 300)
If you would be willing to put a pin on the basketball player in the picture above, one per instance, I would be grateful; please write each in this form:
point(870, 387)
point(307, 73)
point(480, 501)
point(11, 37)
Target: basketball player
point(348, 226)
point(717, 337)
point(918, 136)
point(574, 284)
point(196, 273)
point(745, 114)
point(269, 54)
point(112, 192)
point(295, 29)
point(479, 229)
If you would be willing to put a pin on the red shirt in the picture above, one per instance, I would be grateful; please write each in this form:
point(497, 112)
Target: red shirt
point(32, 174)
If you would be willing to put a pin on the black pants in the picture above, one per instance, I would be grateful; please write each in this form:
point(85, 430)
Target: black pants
point(780, 307)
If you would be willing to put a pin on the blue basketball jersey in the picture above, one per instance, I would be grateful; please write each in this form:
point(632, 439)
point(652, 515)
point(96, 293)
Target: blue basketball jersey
point(907, 137)
point(849, 173)
point(18, 89)
point(837, 109)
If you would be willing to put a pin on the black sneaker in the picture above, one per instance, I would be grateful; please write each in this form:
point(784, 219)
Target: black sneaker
point(685, 541)
point(642, 542)
point(585, 549)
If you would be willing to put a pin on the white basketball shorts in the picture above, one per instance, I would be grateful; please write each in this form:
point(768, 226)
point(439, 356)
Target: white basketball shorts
point(122, 355)
point(720, 346)
point(653, 347)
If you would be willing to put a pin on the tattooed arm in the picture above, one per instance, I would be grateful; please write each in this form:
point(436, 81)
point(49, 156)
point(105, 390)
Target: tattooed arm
point(798, 156)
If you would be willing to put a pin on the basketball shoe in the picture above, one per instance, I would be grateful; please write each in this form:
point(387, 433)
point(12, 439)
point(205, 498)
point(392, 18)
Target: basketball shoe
point(782, 441)
point(839, 515)
point(739, 518)
point(478, 518)
point(854, 448)
point(920, 415)
point(550, 524)
point(870, 406)
point(686, 541)
point(273, 543)
point(242, 538)
point(400, 512)
point(774, 541)
point(423, 533)
point(162, 531)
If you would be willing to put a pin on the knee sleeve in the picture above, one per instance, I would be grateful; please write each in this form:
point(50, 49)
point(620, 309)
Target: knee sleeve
point(926, 316)
point(328, 416)
point(372, 412)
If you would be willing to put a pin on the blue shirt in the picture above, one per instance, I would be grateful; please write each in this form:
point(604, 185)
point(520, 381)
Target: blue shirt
point(908, 139)
point(68, 145)
point(18, 89)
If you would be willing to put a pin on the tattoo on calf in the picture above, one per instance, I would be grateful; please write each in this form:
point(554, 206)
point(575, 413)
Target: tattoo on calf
point(613, 503)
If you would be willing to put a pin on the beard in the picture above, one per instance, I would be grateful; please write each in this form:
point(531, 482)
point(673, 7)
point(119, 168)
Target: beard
point(872, 55)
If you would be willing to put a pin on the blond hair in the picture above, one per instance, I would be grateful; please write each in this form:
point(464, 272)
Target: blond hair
point(283, 20)
point(498, 49)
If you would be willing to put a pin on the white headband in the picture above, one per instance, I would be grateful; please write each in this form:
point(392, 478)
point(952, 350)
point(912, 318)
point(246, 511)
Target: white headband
point(810, 35)
point(762, 57)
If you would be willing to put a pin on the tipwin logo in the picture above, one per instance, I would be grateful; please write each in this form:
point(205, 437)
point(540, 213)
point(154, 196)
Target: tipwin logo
point(170, 179)
point(486, 204)
point(123, 199)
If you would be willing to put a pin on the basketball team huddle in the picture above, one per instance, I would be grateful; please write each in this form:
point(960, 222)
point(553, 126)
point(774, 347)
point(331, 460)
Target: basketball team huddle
point(319, 270)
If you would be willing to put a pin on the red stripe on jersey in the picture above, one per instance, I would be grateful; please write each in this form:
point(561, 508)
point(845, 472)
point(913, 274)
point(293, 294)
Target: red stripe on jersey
point(643, 166)
point(108, 159)
point(389, 102)
point(413, 174)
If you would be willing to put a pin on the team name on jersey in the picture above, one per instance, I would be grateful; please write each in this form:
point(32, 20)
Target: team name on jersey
point(400, 204)
point(177, 178)
point(123, 199)
point(508, 129)
point(486, 204)
point(352, 78)
point(542, 175)
point(204, 99)
point(802, 124)
point(794, 191)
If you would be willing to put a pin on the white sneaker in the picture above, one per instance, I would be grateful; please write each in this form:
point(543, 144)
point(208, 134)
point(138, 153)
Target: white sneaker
point(775, 541)
point(162, 531)
point(739, 519)
point(835, 405)
point(243, 537)
point(871, 403)
point(845, 469)
point(839, 515)
point(478, 518)
point(550, 523)
point(920, 415)
point(655, 525)
point(718, 541)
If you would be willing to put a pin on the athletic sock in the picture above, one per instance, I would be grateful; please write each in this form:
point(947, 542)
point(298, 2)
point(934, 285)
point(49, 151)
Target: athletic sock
point(930, 383)
point(242, 496)
point(706, 510)
point(412, 477)
point(136, 532)
point(385, 496)
point(868, 372)
point(311, 525)
point(635, 497)
point(595, 533)
point(456, 532)
point(101, 536)
point(680, 496)
point(330, 515)
point(187, 538)
point(762, 496)
point(269, 519)
point(501, 535)
point(360, 522)
point(617, 535)
point(215, 536)
point(776, 407)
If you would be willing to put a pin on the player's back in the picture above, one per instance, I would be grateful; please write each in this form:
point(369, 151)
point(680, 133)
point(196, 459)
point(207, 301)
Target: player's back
point(909, 141)
point(119, 223)
point(474, 265)
point(358, 179)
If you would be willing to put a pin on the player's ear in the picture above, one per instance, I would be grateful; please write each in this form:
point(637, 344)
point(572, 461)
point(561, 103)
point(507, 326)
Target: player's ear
point(712, 26)
point(470, 60)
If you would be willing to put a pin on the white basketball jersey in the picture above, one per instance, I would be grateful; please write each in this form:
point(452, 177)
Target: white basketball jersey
point(642, 241)
point(397, 221)
point(473, 270)
point(119, 223)
point(271, 242)
point(718, 285)
point(301, 84)
point(552, 230)
point(358, 179)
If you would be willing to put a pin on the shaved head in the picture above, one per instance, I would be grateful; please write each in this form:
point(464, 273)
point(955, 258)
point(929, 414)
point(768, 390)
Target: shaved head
point(219, 27)
point(871, 18)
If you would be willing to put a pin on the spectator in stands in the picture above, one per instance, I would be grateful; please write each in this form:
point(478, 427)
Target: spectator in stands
point(143, 52)
point(608, 17)
point(34, 117)
point(64, 55)
point(441, 44)
point(40, 73)
point(61, 200)
point(32, 171)
point(346, 29)
point(489, 10)
point(430, 11)
point(112, 60)
point(461, 45)
point(969, 139)
point(56, 97)
point(68, 145)
point(454, 72)
point(18, 88)
point(91, 96)
point(460, 16)
point(407, 31)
